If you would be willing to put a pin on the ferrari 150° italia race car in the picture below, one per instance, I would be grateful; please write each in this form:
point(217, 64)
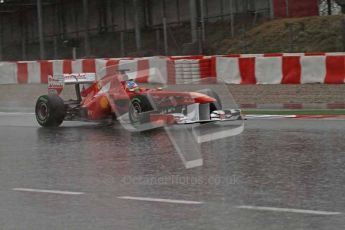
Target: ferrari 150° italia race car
point(117, 96)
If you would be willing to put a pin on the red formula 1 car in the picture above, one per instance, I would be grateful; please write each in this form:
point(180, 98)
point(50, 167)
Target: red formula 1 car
point(118, 96)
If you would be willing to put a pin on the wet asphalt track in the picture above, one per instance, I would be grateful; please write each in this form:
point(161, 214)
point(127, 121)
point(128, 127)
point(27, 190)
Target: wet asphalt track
point(295, 165)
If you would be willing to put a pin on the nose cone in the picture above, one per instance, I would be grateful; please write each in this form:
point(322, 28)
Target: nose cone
point(202, 98)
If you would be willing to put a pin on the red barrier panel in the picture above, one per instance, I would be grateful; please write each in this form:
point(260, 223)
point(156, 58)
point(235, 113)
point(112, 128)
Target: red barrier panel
point(111, 66)
point(46, 70)
point(22, 73)
point(67, 67)
point(335, 66)
point(247, 69)
point(291, 70)
point(89, 66)
point(143, 71)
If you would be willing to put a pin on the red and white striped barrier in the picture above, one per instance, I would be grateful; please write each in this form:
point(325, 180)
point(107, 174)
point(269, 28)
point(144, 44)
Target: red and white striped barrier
point(279, 68)
point(37, 72)
point(282, 70)
point(32, 72)
point(283, 54)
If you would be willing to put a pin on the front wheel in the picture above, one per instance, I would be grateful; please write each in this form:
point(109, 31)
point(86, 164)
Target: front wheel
point(50, 111)
point(138, 110)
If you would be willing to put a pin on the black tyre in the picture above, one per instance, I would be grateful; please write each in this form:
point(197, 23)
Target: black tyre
point(138, 110)
point(50, 111)
point(216, 105)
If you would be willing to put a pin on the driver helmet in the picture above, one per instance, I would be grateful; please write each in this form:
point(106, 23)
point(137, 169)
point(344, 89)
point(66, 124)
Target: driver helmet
point(131, 85)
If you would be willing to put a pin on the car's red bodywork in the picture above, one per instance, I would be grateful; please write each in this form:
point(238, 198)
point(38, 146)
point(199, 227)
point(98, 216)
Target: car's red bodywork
point(110, 96)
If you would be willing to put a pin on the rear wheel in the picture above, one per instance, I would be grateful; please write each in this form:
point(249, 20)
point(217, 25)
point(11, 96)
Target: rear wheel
point(50, 111)
point(138, 110)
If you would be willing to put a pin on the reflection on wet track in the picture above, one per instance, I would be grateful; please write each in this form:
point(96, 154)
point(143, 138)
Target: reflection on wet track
point(274, 167)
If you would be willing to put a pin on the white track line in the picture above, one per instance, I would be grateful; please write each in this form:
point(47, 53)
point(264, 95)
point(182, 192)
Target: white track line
point(47, 191)
point(292, 210)
point(159, 200)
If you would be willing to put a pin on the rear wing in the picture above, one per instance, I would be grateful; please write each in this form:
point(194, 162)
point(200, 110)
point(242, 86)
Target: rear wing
point(57, 82)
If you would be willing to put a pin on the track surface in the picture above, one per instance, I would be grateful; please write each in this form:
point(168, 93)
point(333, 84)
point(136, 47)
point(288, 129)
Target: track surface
point(278, 174)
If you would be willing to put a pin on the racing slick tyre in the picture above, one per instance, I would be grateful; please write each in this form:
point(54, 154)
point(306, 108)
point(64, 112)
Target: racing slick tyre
point(50, 111)
point(217, 105)
point(138, 110)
